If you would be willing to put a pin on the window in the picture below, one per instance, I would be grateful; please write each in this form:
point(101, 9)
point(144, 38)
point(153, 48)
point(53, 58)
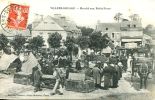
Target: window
point(106, 33)
point(128, 25)
point(41, 33)
point(106, 28)
point(52, 23)
point(113, 35)
point(134, 26)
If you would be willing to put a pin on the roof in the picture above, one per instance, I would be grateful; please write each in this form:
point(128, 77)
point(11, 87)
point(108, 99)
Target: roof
point(6, 60)
point(23, 33)
point(29, 64)
point(66, 24)
point(48, 24)
point(147, 37)
point(108, 27)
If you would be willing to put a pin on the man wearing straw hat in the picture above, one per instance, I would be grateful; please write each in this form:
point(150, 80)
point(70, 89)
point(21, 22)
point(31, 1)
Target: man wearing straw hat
point(59, 75)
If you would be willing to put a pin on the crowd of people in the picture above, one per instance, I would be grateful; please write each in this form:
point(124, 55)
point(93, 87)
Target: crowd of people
point(110, 72)
point(105, 74)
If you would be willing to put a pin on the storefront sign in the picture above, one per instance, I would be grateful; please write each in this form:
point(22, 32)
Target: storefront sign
point(130, 45)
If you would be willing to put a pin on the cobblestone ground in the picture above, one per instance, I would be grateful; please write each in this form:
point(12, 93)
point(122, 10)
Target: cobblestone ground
point(150, 84)
point(125, 91)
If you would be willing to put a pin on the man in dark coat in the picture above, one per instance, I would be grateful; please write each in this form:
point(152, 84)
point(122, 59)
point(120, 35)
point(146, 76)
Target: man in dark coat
point(123, 59)
point(37, 75)
point(78, 64)
point(115, 75)
point(143, 72)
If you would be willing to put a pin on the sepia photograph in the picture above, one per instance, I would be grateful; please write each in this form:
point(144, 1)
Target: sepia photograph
point(77, 49)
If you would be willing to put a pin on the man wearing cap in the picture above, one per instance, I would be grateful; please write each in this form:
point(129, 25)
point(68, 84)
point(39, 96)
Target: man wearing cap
point(37, 75)
point(143, 72)
point(97, 75)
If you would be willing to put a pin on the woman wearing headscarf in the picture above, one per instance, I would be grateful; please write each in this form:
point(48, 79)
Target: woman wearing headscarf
point(120, 66)
point(114, 72)
point(107, 76)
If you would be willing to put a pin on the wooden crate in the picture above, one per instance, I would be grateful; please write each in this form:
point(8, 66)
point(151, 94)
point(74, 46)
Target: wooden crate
point(77, 76)
point(22, 78)
point(48, 81)
point(80, 86)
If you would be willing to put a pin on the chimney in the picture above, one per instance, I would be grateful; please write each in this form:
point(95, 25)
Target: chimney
point(98, 21)
point(38, 18)
point(41, 17)
point(63, 18)
point(57, 15)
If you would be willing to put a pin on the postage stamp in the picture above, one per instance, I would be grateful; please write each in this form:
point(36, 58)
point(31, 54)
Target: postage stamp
point(18, 16)
point(14, 18)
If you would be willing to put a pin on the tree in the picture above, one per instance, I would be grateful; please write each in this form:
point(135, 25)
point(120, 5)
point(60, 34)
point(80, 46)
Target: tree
point(3, 42)
point(98, 42)
point(135, 17)
point(18, 43)
point(72, 48)
point(83, 42)
point(86, 31)
point(62, 51)
point(36, 42)
point(54, 40)
point(118, 17)
point(149, 29)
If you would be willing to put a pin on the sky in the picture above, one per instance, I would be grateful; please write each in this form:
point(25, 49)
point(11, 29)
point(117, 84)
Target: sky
point(87, 17)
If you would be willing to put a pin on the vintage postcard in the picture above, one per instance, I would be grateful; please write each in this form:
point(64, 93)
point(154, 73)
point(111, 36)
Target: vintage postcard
point(77, 49)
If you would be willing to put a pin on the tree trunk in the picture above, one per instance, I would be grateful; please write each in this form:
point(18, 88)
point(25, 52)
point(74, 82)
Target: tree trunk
point(100, 52)
point(37, 50)
point(88, 58)
point(71, 56)
point(54, 52)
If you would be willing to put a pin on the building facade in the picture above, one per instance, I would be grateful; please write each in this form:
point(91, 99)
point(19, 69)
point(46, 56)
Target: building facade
point(112, 30)
point(131, 34)
point(46, 27)
point(127, 34)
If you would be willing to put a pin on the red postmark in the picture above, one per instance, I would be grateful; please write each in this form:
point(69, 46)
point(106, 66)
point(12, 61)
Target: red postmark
point(18, 16)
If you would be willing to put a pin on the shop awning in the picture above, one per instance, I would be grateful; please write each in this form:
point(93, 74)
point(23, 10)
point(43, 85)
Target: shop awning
point(131, 40)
